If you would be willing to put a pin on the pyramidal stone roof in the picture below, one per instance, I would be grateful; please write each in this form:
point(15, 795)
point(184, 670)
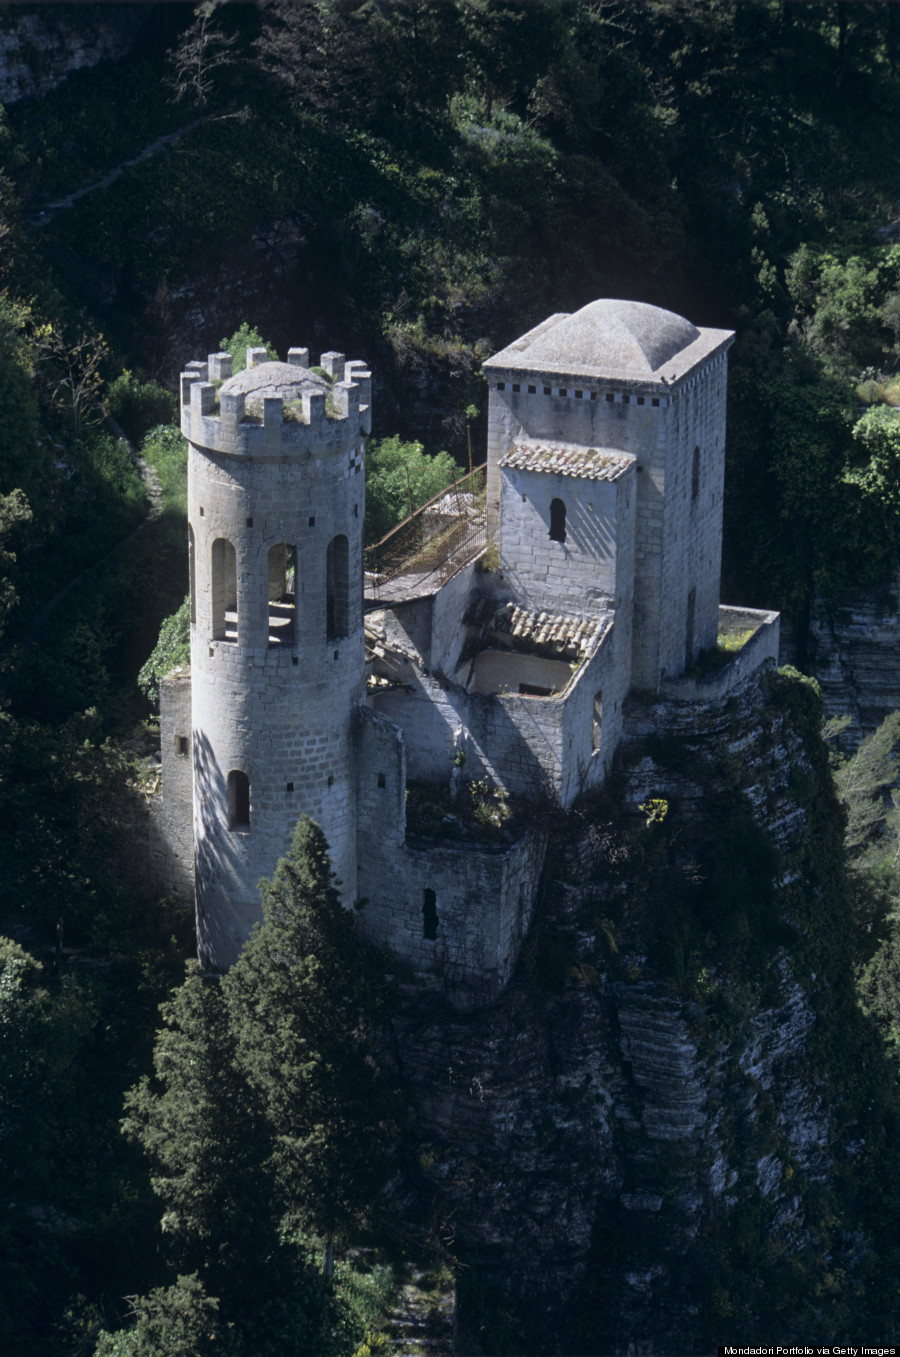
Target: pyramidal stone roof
point(613, 340)
point(275, 379)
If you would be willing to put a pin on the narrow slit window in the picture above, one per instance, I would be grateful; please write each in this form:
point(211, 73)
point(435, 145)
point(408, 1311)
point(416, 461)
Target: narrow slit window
point(429, 915)
point(224, 591)
point(238, 800)
point(557, 521)
point(695, 476)
point(282, 595)
point(597, 732)
point(337, 587)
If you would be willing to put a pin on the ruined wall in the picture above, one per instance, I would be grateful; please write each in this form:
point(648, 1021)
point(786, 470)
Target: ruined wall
point(464, 940)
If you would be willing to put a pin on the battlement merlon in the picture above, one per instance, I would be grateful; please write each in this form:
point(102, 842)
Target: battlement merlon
point(310, 427)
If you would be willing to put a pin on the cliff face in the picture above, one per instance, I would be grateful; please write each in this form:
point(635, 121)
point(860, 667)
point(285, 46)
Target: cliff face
point(855, 656)
point(40, 46)
point(635, 1149)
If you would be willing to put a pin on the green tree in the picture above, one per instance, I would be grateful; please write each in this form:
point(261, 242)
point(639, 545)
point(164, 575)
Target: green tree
point(24, 461)
point(208, 1134)
point(203, 49)
point(294, 997)
point(172, 1321)
point(400, 477)
point(245, 337)
point(14, 511)
point(862, 782)
point(202, 1129)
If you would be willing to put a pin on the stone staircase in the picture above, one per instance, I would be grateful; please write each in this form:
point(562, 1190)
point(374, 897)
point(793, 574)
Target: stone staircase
point(423, 1321)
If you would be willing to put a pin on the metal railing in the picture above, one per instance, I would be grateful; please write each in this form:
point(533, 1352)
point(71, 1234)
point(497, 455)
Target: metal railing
point(435, 541)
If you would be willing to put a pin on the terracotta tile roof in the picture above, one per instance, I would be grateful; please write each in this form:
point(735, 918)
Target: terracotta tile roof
point(566, 459)
point(551, 633)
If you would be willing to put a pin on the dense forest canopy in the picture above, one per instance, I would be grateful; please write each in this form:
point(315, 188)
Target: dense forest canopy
point(415, 184)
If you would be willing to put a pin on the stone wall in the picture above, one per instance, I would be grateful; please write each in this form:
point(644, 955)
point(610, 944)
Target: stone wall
point(583, 573)
point(760, 649)
point(531, 746)
point(481, 902)
point(677, 550)
point(277, 719)
point(173, 809)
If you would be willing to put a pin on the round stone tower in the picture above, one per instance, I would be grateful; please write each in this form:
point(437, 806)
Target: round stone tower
point(275, 517)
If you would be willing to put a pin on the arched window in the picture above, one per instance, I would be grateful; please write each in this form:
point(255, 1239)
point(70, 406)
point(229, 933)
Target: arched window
point(238, 800)
point(224, 591)
point(695, 475)
point(557, 520)
point(429, 915)
point(282, 595)
point(337, 587)
point(192, 574)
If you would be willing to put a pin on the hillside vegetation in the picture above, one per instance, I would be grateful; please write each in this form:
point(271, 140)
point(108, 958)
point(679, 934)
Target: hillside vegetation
point(414, 184)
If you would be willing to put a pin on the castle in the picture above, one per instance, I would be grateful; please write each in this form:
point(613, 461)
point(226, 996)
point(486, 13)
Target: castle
point(500, 649)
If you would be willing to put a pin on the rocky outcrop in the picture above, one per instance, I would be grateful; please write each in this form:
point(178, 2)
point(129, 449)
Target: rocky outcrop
point(38, 49)
point(624, 1148)
point(855, 656)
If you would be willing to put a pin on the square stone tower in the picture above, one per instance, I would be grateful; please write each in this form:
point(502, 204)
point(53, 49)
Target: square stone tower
point(579, 407)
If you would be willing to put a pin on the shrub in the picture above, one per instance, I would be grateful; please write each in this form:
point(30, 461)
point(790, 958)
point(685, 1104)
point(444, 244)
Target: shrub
point(172, 648)
point(139, 405)
point(244, 338)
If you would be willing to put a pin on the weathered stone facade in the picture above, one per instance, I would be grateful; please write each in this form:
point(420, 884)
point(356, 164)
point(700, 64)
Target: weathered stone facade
point(604, 503)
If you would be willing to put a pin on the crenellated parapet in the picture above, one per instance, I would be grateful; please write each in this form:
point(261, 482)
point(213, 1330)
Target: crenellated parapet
point(285, 408)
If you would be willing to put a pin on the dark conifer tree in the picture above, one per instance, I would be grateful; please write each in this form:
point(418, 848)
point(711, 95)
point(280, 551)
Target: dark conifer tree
point(294, 1000)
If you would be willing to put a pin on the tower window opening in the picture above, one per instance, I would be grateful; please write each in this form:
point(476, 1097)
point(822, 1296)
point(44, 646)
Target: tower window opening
point(249, 522)
point(282, 595)
point(224, 591)
point(382, 781)
point(337, 587)
point(597, 732)
point(192, 573)
point(181, 745)
point(695, 475)
point(312, 520)
point(557, 521)
point(429, 915)
point(238, 800)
